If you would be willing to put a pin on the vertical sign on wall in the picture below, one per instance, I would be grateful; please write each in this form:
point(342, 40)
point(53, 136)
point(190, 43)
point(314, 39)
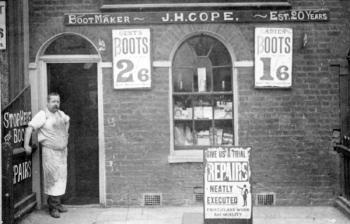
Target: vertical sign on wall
point(131, 58)
point(2, 25)
point(227, 189)
point(273, 57)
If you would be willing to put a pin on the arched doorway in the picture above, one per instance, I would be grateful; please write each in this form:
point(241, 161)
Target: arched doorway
point(68, 65)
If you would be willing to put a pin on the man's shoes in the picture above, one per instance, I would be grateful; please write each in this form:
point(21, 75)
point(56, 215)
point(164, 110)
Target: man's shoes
point(60, 208)
point(55, 213)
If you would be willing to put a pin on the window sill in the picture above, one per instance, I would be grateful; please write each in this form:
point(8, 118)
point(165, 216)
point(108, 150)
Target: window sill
point(186, 156)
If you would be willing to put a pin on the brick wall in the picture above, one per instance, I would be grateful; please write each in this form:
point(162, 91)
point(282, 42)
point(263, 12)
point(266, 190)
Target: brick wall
point(289, 129)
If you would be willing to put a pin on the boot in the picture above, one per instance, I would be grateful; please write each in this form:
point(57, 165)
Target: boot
point(54, 213)
point(61, 208)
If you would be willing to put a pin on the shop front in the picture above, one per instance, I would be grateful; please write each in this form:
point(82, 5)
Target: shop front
point(150, 86)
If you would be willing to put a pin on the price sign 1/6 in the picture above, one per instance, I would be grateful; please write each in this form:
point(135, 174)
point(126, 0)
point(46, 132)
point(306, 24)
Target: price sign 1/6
point(131, 58)
point(273, 57)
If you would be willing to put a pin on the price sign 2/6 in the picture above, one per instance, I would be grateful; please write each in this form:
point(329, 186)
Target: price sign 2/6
point(273, 57)
point(131, 58)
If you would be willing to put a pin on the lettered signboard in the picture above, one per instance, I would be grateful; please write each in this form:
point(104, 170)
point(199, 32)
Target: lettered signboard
point(273, 57)
point(15, 119)
point(131, 58)
point(2, 25)
point(227, 188)
point(193, 17)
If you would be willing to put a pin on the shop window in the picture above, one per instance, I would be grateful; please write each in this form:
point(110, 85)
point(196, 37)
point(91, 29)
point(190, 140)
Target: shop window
point(202, 94)
point(69, 44)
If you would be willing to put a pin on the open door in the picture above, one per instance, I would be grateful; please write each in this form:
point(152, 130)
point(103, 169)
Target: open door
point(77, 85)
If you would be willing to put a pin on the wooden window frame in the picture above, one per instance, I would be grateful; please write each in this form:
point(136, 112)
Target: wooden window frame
point(195, 153)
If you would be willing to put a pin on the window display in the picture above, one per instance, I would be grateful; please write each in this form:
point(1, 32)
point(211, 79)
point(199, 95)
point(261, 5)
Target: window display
point(202, 94)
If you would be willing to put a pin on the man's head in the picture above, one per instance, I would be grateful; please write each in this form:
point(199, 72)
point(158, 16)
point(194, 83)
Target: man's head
point(53, 102)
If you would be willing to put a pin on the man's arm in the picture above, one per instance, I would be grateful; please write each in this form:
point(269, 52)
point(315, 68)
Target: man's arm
point(27, 136)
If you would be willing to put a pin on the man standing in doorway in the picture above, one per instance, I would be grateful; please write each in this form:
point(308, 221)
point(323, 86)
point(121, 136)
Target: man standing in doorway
point(52, 125)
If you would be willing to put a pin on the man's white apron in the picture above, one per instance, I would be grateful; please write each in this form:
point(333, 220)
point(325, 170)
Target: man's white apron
point(54, 139)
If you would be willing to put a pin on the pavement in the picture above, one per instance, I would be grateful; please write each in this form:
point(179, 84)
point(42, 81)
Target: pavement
point(180, 215)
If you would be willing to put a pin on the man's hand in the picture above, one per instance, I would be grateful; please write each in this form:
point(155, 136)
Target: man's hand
point(28, 149)
point(27, 136)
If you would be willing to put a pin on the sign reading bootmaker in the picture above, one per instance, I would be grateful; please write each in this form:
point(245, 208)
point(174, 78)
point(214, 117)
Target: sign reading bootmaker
point(210, 16)
point(227, 193)
point(131, 58)
point(273, 57)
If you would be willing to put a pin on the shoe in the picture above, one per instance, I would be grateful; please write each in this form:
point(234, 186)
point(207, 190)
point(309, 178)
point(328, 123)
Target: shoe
point(55, 213)
point(60, 208)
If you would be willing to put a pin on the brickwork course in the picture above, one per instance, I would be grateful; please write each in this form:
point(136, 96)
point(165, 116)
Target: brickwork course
point(289, 129)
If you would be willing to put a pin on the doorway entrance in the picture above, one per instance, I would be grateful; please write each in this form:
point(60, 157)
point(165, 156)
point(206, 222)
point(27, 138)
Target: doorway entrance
point(77, 85)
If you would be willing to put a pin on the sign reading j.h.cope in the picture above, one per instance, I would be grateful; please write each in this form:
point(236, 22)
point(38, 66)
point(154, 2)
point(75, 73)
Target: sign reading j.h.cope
point(273, 57)
point(131, 58)
point(227, 193)
point(192, 17)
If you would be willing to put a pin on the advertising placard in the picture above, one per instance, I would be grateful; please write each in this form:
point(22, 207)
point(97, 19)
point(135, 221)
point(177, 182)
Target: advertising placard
point(273, 57)
point(227, 189)
point(2, 25)
point(131, 58)
point(15, 119)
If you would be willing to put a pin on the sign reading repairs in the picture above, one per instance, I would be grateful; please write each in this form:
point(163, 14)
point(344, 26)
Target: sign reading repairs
point(215, 16)
point(227, 189)
point(273, 57)
point(131, 58)
point(2, 25)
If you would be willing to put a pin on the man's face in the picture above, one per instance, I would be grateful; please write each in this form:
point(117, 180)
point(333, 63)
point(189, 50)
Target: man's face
point(54, 103)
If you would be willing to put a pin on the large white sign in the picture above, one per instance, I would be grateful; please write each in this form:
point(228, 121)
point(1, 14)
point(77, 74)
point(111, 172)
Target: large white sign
point(227, 190)
point(273, 57)
point(131, 58)
point(2, 25)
